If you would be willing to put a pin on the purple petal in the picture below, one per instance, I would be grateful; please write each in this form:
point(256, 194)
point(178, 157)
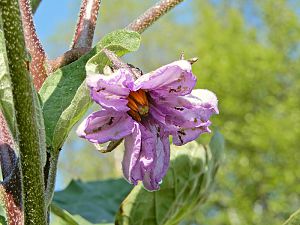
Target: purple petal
point(184, 136)
point(154, 174)
point(132, 154)
point(174, 79)
point(192, 110)
point(186, 117)
point(147, 155)
point(139, 153)
point(202, 98)
point(111, 91)
point(105, 125)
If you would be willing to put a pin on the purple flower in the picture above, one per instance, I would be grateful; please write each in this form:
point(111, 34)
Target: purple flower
point(145, 112)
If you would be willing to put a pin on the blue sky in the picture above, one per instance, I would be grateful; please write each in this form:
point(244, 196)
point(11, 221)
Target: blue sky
point(50, 14)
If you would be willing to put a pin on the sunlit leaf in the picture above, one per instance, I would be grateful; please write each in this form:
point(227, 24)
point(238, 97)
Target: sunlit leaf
point(96, 202)
point(63, 217)
point(65, 97)
point(3, 220)
point(185, 187)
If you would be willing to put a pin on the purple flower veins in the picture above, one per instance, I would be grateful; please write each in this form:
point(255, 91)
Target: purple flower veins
point(145, 112)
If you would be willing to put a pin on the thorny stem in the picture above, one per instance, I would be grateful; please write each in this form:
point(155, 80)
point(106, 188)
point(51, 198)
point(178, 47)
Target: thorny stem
point(68, 57)
point(5, 136)
point(26, 116)
point(38, 59)
point(115, 60)
point(117, 63)
point(86, 24)
point(151, 15)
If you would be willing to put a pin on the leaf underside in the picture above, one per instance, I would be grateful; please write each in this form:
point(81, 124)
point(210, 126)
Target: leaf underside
point(96, 202)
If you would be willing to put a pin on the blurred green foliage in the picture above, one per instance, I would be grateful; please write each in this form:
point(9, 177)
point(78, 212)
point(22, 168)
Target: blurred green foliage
point(249, 56)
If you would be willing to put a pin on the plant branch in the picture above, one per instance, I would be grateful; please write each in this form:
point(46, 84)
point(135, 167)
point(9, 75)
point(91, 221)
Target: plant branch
point(152, 14)
point(86, 24)
point(5, 136)
point(34, 47)
point(26, 116)
point(67, 58)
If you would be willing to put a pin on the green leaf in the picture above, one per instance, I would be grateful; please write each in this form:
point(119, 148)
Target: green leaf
point(3, 220)
point(63, 217)
point(294, 219)
point(64, 95)
point(96, 202)
point(186, 186)
point(6, 99)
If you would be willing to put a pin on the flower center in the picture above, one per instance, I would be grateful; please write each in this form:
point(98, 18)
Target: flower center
point(138, 104)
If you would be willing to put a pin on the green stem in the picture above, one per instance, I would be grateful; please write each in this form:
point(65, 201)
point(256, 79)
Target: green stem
point(26, 116)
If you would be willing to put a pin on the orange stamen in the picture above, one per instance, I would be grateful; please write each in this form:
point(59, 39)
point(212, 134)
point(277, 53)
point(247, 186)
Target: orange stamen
point(132, 105)
point(139, 96)
point(135, 115)
point(138, 104)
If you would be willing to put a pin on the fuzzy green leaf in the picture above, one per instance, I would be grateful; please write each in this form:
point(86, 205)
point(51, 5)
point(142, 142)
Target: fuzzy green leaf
point(65, 97)
point(294, 219)
point(96, 202)
point(186, 186)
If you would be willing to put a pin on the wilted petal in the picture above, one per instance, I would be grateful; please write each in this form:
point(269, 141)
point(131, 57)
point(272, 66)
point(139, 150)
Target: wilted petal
point(202, 99)
point(192, 110)
point(111, 91)
point(173, 79)
point(154, 174)
point(132, 154)
point(147, 155)
point(105, 125)
point(184, 136)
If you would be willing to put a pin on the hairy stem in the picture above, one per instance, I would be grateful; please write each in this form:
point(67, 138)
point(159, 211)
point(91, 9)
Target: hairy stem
point(152, 14)
point(67, 58)
point(5, 136)
point(86, 24)
point(26, 116)
point(34, 47)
